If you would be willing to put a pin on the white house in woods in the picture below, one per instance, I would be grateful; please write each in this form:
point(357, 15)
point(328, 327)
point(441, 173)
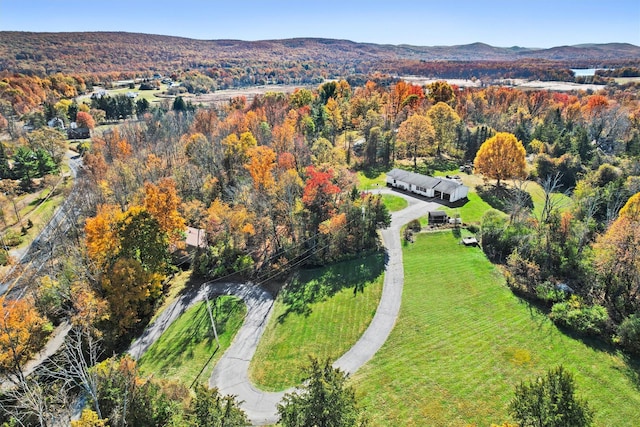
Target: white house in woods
point(428, 186)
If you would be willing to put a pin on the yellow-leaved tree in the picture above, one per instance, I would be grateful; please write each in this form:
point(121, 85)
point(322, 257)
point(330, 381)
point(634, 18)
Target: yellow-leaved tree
point(417, 133)
point(631, 209)
point(22, 333)
point(501, 157)
point(162, 202)
point(617, 262)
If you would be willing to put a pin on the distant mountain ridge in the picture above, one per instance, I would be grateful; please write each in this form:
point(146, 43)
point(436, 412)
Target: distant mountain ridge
point(122, 51)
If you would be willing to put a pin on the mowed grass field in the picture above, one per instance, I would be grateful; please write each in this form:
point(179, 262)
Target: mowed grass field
point(371, 181)
point(394, 203)
point(325, 328)
point(186, 348)
point(463, 341)
point(471, 212)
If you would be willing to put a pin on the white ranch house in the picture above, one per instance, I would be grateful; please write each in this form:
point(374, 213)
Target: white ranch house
point(428, 186)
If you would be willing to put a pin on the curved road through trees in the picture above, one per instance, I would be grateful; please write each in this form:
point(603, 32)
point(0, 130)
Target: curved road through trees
point(230, 374)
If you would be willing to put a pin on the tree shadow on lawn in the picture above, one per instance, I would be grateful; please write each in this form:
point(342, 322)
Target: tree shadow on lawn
point(631, 366)
point(372, 172)
point(308, 286)
point(502, 197)
point(199, 330)
point(539, 312)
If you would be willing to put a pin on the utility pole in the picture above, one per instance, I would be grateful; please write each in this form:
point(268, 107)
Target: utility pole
point(213, 324)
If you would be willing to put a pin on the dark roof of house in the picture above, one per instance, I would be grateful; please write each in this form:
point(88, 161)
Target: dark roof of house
point(414, 178)
point(443, 185)
point(437, 214)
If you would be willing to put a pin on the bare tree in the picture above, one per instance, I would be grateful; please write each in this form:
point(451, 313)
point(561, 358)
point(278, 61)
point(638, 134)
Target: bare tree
point(552, 197)
point(517, 206)
point(37, 400)
point(75, 367)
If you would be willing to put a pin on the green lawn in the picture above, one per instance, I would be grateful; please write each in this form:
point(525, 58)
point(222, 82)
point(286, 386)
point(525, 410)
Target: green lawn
point(562, 201)
point(371, 180)
point(186, 347)
point(463, 340)
point(472, 211)
point(394, 203)
point(302, 325)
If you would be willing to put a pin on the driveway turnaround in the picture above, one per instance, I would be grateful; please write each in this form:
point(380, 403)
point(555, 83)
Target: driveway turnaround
point(230, 374)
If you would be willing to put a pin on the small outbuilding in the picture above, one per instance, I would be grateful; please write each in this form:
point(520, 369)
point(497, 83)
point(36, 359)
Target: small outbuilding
point(438, 217)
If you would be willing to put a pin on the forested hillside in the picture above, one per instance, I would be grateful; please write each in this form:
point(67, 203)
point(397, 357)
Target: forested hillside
point(280, 61)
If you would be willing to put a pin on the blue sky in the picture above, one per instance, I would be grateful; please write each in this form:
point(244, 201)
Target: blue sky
point(528, 23)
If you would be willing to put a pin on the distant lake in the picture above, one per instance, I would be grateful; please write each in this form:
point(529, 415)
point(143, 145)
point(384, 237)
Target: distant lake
point(584, 72)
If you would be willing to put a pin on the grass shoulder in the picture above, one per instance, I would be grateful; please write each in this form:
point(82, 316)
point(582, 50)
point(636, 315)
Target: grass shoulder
point(187, 350)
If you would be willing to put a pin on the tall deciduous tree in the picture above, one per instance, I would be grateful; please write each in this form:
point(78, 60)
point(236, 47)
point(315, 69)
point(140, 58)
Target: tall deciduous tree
point(618, 265)
point(260, 166)
point(85, 120)
point(418, 133)
point(22, 331)
point(319, 195)
point(162, 202)
point(440, 91)
point(444, 121)
point(631, 209)
point(501, 157)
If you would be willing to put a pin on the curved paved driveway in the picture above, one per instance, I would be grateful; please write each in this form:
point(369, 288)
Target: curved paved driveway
point(258, 301)
point(389, 307)
point(230, 374)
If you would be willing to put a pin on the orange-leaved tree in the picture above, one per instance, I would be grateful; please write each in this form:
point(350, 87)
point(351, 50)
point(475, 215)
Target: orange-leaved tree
point(101, 235)
point(501, 157)
point(617, 261)
point(131, 255)
point(85, 120)
point(162, 202)
point(260, 166)
point(22, 333)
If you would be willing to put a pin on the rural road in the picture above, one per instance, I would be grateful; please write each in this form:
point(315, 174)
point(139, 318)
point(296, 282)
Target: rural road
point(230, 374)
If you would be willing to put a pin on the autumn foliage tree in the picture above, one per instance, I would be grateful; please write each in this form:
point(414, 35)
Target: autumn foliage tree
point(22, 333)
point(319, 195)
point(418, 134)
point(85, 120)
point(444, 121)
point(618, 264)
point(162, 202)
point(501, 157)
point(131, 254)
